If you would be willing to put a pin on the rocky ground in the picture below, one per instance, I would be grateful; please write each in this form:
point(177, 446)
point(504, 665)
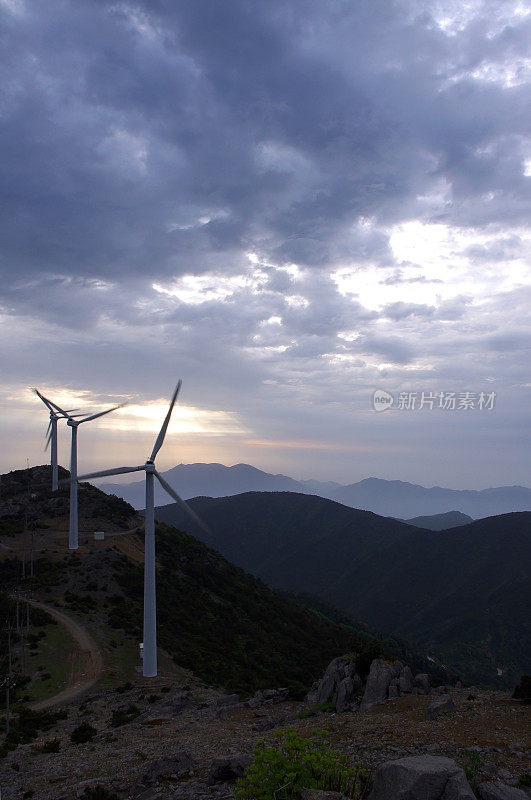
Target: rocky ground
point(185, 720)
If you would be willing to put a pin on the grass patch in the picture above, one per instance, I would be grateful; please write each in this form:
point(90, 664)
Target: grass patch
point(120, 658)
point(54, 655)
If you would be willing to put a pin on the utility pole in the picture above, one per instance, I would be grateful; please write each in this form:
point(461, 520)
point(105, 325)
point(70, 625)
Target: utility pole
point(17, 618)
point(8, 679)
point(24, 545)
point(32, 551)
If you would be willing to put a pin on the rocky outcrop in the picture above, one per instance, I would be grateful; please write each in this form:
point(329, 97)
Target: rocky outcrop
point(442, 704)
point(166, 769)
point(377, 686)
point(342, 686)
point(499, 791)
point(226, 768)
point(405, 681)
point(421, 778)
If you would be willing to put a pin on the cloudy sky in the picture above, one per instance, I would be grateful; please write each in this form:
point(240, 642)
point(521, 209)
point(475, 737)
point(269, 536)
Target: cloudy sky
point(288, 205)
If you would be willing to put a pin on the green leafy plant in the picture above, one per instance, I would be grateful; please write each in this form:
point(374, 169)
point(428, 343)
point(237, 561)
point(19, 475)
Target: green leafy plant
point(296, 763)
point(83, 733)
point(472, 766)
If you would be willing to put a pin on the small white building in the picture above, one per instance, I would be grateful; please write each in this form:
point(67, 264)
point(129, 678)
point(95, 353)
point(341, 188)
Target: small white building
point(99, 536)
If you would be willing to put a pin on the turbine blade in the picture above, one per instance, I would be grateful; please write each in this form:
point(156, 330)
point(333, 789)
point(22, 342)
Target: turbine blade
point(53, 407)
point(48, 440)
point(47, 403)
point(162, 434)
point(104, 472)
point(101, 413)
point(48, 429)
point(60, 410)
point(165, 485)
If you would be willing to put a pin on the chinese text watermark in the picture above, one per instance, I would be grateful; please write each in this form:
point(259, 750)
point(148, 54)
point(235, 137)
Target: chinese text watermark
point(445, 401)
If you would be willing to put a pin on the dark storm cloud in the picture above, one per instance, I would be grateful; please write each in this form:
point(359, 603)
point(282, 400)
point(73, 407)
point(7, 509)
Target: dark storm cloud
point(162, 139)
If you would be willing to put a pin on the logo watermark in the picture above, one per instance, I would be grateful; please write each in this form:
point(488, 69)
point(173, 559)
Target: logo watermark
point(444, 401)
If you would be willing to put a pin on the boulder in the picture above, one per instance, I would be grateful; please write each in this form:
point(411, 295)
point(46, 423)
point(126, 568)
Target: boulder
point(272, 695)
point(380, 677)
point(166, 769)
point(499, 791)
point(421, 684)
point(397, 668)
point(405, 681)
point(335, 672)
point(226, 768)
point(441, 704)
point(421, 778)
point(227, 700)
point(345, 695)
point(393, 691)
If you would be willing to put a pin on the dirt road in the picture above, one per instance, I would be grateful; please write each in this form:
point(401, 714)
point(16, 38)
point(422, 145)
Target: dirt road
point(90, 662)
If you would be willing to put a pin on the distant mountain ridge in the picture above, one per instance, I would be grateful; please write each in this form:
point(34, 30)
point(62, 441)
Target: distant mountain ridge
point(387, 498)
point(440, 522)
point(465, 592)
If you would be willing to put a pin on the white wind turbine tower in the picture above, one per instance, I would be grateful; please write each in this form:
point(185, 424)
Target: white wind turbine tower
point(150, 595)
point(74, 423)
point(51, 435)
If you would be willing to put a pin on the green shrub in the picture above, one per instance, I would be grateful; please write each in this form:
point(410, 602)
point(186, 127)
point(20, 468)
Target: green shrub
point(525, 780)
point(472, 765)
point(83, 733)
point(27, 725)
point(282, 772)
point(82, 603)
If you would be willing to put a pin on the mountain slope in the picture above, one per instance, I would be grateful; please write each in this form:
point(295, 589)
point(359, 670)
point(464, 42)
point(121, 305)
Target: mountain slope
point(440, 522)
point(388, 498)
point(464, 592)
point(226, 626)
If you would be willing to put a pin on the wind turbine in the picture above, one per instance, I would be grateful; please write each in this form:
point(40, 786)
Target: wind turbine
point(51, 435)
point(150, 594)
point(73, 423)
